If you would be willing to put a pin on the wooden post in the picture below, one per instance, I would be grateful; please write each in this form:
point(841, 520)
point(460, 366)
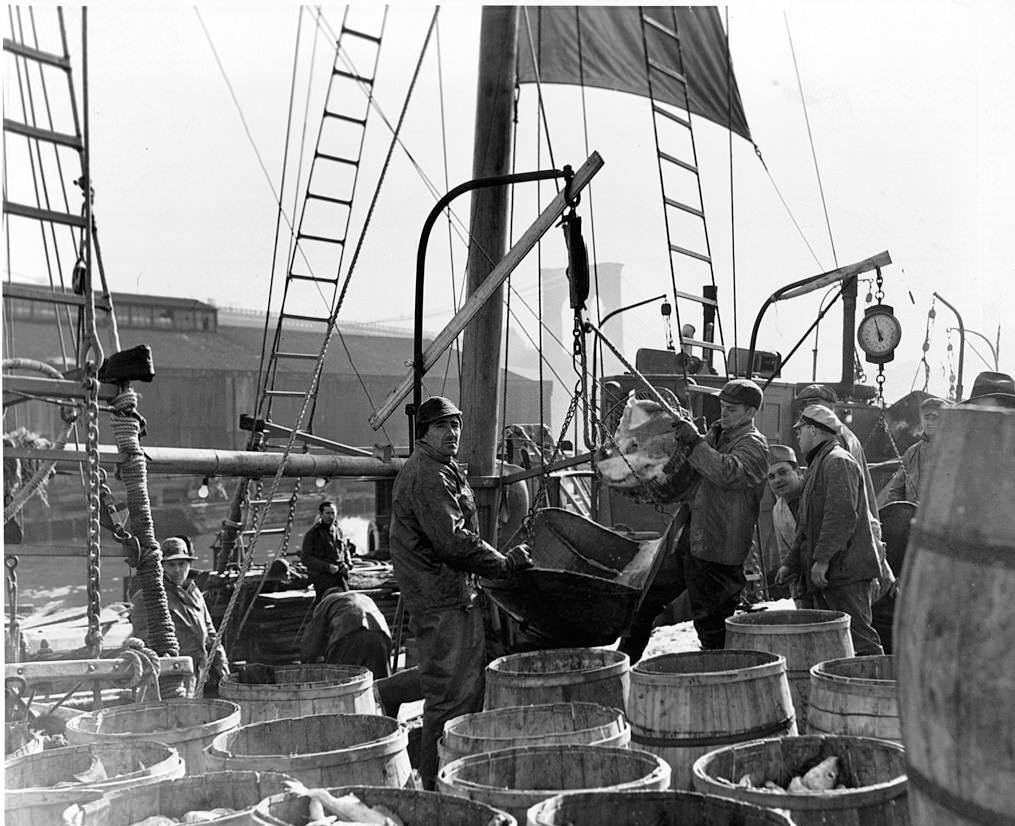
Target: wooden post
point(481, 343)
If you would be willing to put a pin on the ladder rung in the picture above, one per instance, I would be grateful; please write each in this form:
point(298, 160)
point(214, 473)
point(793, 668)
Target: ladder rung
point(303, 236)
point(28, 52)
point(709, 302)
point(264, 531)
point(671, 73)
point(329, 199)
point(296, 317)
point(346, 118)
point(666, 156)
point(353, 76)
point(655, 24)
point(684, 207)
point(48, 135)
point(671, 115)
point(39, 214)
point(302, 356)
point(371, 37)
point(268, 501)
point(705, 345)
point(690, 253)
point(296, 276)
point(287, 394)
point(336, 158)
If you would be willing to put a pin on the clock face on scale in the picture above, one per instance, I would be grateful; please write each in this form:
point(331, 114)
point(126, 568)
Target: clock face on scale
point(879, 333)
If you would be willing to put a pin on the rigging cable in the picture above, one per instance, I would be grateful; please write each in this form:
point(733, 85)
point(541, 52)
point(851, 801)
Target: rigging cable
point(729, 135)
point(810, 138)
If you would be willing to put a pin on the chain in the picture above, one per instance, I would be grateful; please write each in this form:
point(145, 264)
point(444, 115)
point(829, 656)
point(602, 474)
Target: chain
point(290, 518)
point(11, 565)
point(895, 449)
point(880, 379)
point(879, 294)
point(256, 512)
point(107, 518)
point(93, 637)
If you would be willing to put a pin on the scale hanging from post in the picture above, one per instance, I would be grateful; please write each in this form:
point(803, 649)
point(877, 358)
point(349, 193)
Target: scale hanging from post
point(879, 334)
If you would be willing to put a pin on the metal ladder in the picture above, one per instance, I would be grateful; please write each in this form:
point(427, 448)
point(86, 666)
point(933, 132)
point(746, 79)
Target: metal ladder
point(315, 264)
point(35, 141)
point(679, 182)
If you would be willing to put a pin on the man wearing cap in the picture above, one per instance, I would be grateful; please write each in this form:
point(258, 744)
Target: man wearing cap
point(435, 548)
point(786, 482)
point(904, 486)
point(834, 553)
point(188, 611)
point(825, 396)
point(347, 628)
point(325, 553)
point(732, 460)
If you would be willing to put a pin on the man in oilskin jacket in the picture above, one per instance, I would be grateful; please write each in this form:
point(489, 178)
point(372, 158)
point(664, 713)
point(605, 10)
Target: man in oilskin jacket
point(435, 550)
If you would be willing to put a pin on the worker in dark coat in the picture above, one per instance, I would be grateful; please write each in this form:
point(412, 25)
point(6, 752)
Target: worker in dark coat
point(904, 486)
point(326, 553)
point(188, 612)
point(708, 558)
point(435, 550)
point(347, 628)
point(834, 553)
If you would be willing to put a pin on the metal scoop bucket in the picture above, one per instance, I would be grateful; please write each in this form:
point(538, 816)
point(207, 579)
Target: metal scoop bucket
point(586, 583)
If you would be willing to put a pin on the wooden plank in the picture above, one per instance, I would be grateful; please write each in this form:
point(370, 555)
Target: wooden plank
point(882, 259)
point(110, 670)
point(497, 276)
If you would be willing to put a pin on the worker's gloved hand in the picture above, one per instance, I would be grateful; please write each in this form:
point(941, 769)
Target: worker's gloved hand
point(518, 558)
point(686, 433)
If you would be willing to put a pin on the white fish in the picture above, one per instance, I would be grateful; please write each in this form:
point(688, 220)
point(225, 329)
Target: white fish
point(823, 776)
point(642, 445)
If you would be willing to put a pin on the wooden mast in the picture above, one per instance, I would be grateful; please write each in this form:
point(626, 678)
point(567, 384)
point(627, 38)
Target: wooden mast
point(481, 341)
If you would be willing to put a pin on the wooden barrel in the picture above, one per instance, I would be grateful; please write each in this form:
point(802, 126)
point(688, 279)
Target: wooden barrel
point(186, 725)
point(656, 808)
point(412, 807)
point(855, 695)
point(683, 705)
point(953, 621)
point(873, 771)
point(583, 724)
point(32, 794)
point(269, 692)
point(516, 779)
point(559, 675)
point(321, 750)
point(803, 637)
point(239, 791)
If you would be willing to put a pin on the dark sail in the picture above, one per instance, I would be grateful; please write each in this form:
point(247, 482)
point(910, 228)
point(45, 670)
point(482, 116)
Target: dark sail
point(612, 55)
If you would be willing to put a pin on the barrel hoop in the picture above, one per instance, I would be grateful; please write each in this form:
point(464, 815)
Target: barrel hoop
point(967, 809)
point(779, 727)
point(974, 552)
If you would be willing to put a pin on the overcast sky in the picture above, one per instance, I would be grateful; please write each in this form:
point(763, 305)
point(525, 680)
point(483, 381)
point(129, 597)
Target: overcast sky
point(911, 107)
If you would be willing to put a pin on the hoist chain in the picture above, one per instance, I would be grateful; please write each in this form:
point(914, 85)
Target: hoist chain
point(290, 518)
point(11, 566)
point(895, 449)
point(108, 520)
point(93, 637)
point(879, 294)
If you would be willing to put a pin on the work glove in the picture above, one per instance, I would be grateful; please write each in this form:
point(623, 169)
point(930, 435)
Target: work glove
point(686, 433)
point(518, 558)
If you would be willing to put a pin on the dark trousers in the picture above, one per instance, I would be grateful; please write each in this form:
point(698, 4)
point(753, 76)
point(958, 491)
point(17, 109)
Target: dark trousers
point(713, 590)
point(452, 663)
point(854, 599)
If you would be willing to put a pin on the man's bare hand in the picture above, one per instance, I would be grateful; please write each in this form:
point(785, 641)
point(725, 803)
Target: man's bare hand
point(819, 574)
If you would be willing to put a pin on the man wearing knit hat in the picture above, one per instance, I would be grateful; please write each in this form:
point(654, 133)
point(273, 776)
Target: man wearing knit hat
point(732, 460)
point(904, 486)
point(834, 553)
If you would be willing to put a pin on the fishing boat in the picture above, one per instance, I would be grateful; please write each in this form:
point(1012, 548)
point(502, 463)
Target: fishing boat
point(676, 60)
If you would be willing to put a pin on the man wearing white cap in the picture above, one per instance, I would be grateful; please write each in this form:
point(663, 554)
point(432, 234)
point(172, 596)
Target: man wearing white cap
point(834, 552)
point(786, 481)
